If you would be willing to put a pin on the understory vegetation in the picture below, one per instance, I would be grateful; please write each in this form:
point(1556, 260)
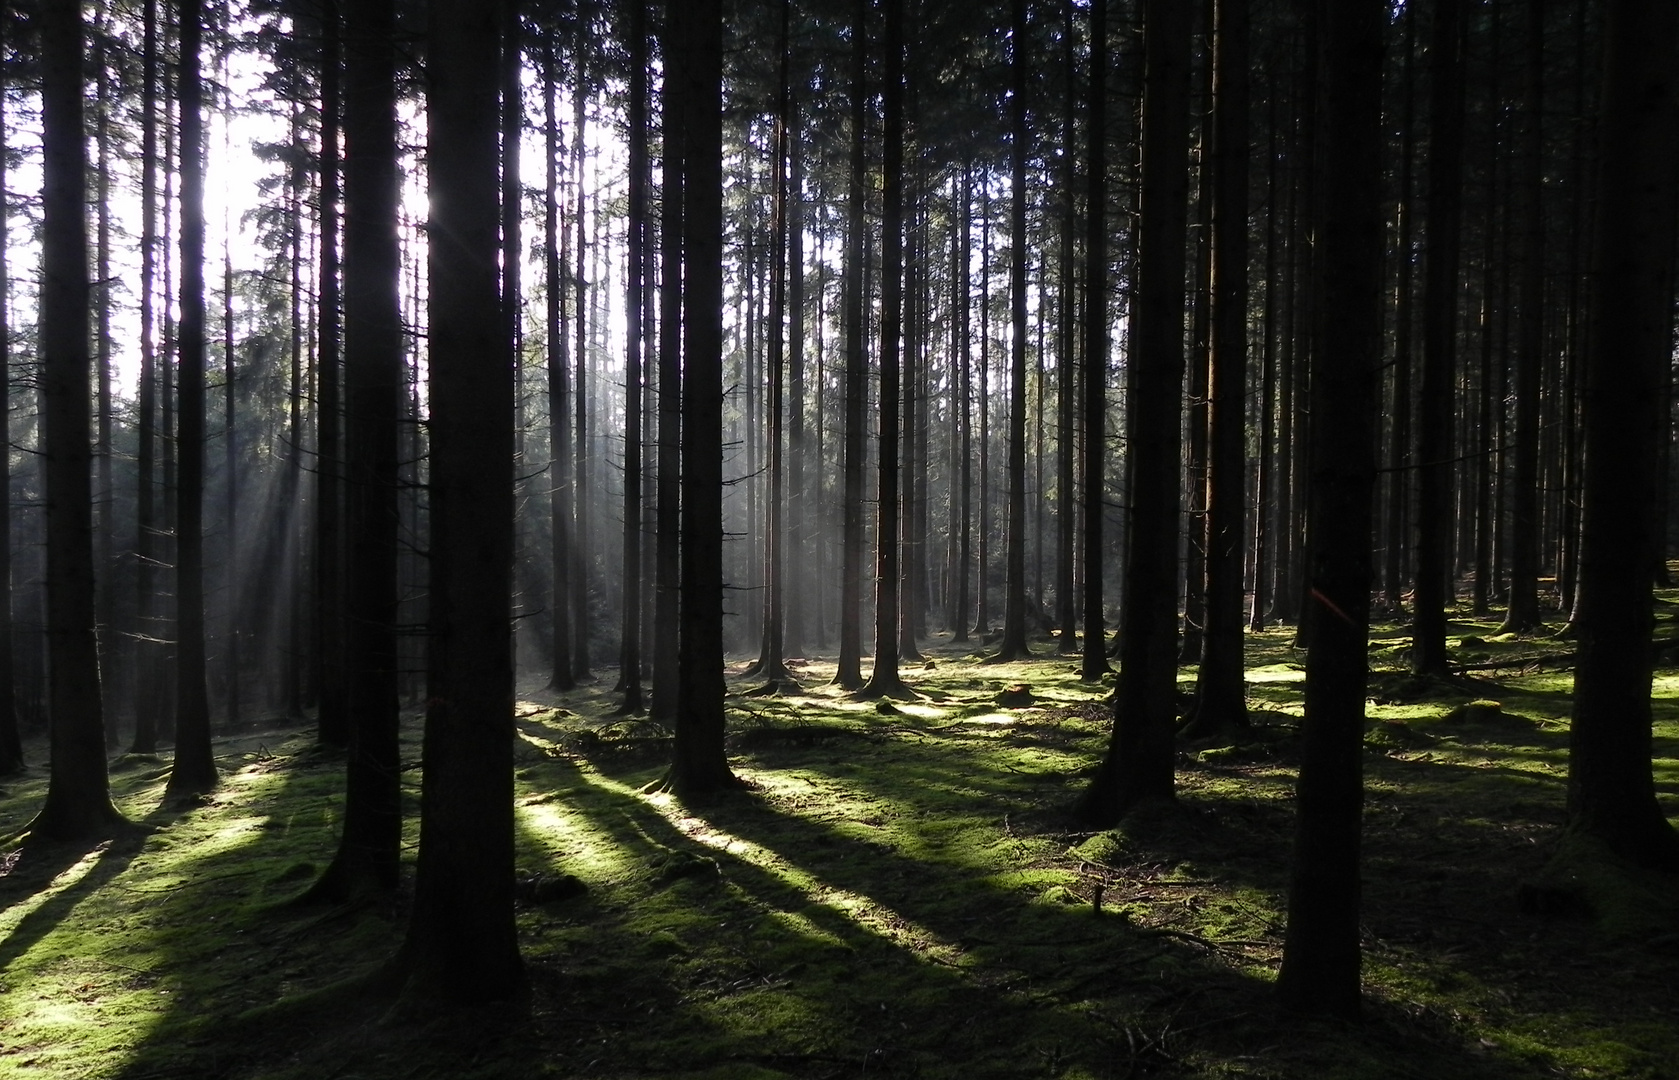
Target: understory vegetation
point(900, 891)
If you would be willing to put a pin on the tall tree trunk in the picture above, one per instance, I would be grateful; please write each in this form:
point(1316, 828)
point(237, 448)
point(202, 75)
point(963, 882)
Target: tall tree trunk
point(559, 381)
point(11, 744)
point(962, 301)
point(1320, 969)
point(770, 663)
point(701, 763)
point(1094, 662)
point(103, 492)
point(148, 652)
point(333, 719)
point(195, 764)
point(667, 557)
point(375, 386)
point(78, 803)
point(1399, 451)
point(1522, 615)
point(1440, 300)
point(1013, 646)
point(462, 944)
point(1139, 763)
point(581, 553)
point(795, 566)
point(1220, 701)
point(884, 680)
point(848, 672)
point(1265, 465)
point(1611, 793)
point(629, 670)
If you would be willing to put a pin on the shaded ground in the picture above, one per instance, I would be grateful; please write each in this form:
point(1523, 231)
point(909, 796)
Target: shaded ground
point(899, 893)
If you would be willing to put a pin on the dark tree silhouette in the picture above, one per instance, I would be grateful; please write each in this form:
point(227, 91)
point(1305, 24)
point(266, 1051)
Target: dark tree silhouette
point(1139, 763)
point(195, 764)
point(462, 944)
point(1094, 662)
point(1611, 793)
point(1320, 969)
point(848, 673)
point(1013, 646)
point(78, 804)
point(375, 387)
point(11, 743)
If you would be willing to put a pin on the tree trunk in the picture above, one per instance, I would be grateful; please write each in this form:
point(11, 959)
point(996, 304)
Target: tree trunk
point(629, 668)
point(375, 385)
point(701, 763)
point(1522, 615)
point(1013, 646)
point(1220, 702)
point(848, 674)
point(884, 680)
point(1440, 300)
point(148, 652)
point(333, 719)
point(195, 764)
point(78, 803)
point(1320, 969)
point(462, 944)
point(667, 557)
point(559, 381)
point(11, 744)
point(1095, 388)
point(1611, 793)
point(1139, 763)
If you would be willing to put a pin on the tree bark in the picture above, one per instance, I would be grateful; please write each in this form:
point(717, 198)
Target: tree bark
point(1139, 763)
point(1440, 300)
point(78, 803)
point(848, 674)
point(1094, 662)
point(1611, 793)
point(194, 771)
point(1320, 969)
point(462, 944)
point(1013, 646)
point(629, 666)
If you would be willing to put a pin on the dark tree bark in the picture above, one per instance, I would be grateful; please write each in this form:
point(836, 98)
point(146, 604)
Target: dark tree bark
point(581, 553)
point(1094, 662)
point(333, 718)
point(796, 565)
point(1066, 602)
point(962, 300)
point(1013, 646)
point(769, 664)
point(629, 660)
point(559, 382)
point(1523, 612)
point(848, 672)
point(1611, 793)
point(1139, 763)
point(1220, 691)
point(667, 556)
point(462, 944)
point(78, 804)
point(701, 763)
point(148, 652)
point(195, 764)
point(1320, 969)
point(11, 743)
point(375, 387)
point(1399, 452)
point(884, 680)
point(1265, 466)
point(1440, 300)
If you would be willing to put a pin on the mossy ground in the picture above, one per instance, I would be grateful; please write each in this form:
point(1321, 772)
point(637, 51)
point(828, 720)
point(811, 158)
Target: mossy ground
point(899, 892)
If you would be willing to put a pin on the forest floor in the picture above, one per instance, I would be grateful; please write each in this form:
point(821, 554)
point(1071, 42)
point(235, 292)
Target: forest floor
point(899, 891)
